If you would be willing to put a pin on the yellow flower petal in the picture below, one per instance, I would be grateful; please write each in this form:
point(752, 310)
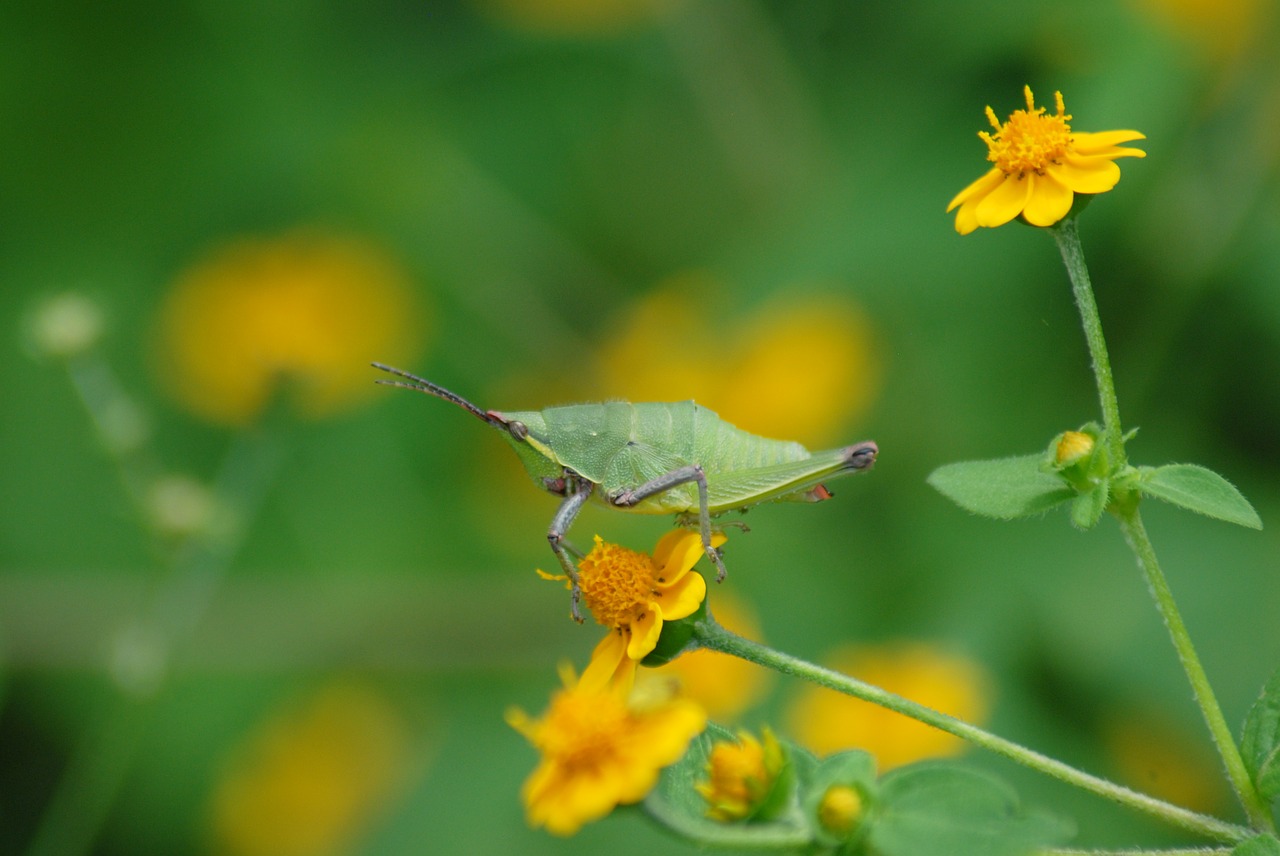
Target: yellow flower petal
point(1092, 144)
point(684, 597)
point(610, 665)
point(1003, 203)
point(1047, 202)
point(645, 632)
point(979, 188)
point(1086, 175)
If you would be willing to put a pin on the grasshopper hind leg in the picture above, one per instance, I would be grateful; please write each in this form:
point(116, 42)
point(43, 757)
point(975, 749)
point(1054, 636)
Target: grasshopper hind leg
point(675, 478)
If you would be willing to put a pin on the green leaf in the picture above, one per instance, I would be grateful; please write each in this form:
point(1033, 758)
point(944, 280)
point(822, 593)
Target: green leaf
point(1260, 743)
point(1200, 490)
point(1004, 488)
point(1087, 508)
point(1262, 845)
point(676, 804)
point(948, 810)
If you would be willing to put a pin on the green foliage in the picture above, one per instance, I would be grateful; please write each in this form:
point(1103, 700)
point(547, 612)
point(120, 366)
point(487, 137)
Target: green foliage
point(1200, 490)
point(1005, 488)
point(1260, 743)
point(927, 808)
point(1262, 845)
point(945, 809)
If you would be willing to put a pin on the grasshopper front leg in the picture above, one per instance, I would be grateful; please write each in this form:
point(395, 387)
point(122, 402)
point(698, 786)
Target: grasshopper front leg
point(577, 491)
point(675, 478)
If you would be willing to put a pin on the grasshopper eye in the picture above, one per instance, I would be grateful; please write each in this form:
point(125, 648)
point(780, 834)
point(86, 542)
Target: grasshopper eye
point(518, 429)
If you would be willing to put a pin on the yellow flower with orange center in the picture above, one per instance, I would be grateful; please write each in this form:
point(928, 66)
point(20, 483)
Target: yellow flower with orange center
point(741, 774)
point(600, 749)
point(1040, 164)
point(633, 593)
point(829, 722)
point(305, 310)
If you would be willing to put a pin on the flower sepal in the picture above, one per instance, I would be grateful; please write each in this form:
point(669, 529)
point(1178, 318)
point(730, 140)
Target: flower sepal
point(676, 637)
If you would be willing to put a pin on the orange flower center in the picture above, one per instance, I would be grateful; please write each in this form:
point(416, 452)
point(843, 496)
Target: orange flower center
point(618, 584)
point(582, 731)
point(1030, 140)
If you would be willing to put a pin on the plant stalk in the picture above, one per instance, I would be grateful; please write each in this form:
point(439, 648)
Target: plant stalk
point(711, 635)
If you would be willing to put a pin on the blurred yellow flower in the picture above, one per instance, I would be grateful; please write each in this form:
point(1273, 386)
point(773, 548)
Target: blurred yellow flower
point(740, 775)
point(840, 810)
point(828, 722)
point(308, 781)
point(306, 310)
point(599, 749)
point(578, 17)
point(800, 367)
point(724, 686)
point(1159, 758)
point(1222, 29)
point(1040, 164)
point(633, 593)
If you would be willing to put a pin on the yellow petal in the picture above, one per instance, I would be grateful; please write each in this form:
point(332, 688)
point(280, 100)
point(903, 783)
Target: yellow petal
point(1086, 175)
point(981, 187)
point(683, 597)
point(609, 666)
point(644, 633)
point(1003, 203)
point(966, 220)
point(674, 556)
point(1048, 202)
point(1092, 144)
point(665, 733)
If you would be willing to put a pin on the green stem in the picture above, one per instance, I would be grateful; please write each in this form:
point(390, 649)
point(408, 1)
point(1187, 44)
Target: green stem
point(1136, 535)
point(711, 635)
point(1067, 234)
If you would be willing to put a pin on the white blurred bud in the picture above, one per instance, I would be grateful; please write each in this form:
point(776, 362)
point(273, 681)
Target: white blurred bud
point(181, 506)
point(65, 325)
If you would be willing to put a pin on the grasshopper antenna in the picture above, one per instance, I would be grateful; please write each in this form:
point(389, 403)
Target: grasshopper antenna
point(423, 385)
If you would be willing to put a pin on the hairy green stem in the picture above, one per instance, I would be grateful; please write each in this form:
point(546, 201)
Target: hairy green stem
point(1067, 235)
point(1136, 536)
point(711, 635)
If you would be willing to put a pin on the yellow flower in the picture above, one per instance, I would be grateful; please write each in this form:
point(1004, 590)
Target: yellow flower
point(633, 593)
point(304, 309)
point(308, 781)
point(828, 722)
point(741, 774)
point(814, 353)
point(1040, 164)
point(725, 686)
point(599, 750)
point(1160, 757)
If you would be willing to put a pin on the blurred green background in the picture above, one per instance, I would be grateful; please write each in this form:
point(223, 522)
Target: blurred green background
point(583, 200)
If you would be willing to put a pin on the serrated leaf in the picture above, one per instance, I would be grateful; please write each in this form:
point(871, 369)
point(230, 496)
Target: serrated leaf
point(1200, 490)
point(943, 809)
point(1262, 845)
point(1087, 508)
point(1260, 742)
point(1004, 488)
point(676, 804)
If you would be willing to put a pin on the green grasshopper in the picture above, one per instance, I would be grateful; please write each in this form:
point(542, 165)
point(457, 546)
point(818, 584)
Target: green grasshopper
point(653, 458)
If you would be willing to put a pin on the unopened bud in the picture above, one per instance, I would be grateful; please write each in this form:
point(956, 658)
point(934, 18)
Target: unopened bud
point(840, 810)
point(1073, 446)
